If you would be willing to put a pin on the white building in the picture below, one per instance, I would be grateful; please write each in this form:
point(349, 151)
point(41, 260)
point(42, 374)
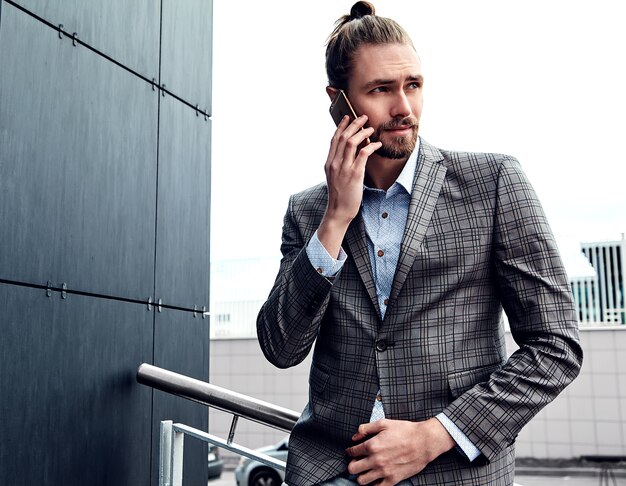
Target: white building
point(600, 297)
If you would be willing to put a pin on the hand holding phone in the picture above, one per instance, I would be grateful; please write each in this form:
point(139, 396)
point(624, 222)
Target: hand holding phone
point(345, 173)
point(340, 107)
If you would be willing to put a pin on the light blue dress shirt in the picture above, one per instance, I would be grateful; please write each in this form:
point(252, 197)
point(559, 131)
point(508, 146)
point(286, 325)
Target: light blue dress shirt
point(385, 214)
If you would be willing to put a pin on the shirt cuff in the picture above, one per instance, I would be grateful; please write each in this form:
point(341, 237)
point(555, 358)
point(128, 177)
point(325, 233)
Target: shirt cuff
point(321, 259)
point(464, 444)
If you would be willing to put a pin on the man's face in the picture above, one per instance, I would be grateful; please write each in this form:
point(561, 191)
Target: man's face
point(386, 85)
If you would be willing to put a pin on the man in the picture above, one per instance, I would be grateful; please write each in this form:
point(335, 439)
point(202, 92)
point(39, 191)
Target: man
point(398, 269)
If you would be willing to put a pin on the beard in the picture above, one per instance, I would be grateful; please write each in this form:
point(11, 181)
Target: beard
point(396, 147)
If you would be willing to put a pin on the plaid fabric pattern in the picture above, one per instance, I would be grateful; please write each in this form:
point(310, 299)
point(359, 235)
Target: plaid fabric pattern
point(476, 240)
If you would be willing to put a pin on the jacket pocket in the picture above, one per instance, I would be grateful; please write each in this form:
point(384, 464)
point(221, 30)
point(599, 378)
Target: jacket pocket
point(461, 381)
point(318, 379)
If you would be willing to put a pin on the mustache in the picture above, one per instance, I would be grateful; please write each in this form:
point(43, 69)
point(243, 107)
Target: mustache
point(406, 122)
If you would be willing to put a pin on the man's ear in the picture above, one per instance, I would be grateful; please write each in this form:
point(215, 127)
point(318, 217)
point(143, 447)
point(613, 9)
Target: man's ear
point(332, 92)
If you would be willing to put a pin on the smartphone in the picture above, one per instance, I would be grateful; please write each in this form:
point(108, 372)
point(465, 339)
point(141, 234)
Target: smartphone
point(340, 107)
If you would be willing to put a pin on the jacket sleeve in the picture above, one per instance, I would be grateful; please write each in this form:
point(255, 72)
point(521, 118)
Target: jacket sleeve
point(289, 320)
point(535, 294)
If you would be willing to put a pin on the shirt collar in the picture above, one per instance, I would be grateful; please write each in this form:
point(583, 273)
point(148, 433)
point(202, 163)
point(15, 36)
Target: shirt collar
point(405, 179)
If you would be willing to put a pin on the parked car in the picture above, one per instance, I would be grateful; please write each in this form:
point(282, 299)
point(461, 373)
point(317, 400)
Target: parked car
point(216, 464)
point(254, 473)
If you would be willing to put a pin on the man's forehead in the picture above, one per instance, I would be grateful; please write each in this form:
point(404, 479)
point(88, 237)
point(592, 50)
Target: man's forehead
point(386, 63)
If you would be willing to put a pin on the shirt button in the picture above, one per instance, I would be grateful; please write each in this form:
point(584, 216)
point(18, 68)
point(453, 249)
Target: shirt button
point(379, 398)
point(319, 270)
point(380, 253)
point(384, 215)
point(386, 301)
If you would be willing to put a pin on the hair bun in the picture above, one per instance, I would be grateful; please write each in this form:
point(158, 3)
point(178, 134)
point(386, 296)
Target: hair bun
point(361, 9)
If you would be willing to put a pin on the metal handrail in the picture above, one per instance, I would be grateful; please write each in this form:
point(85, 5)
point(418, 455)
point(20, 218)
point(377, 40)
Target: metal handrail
point(172, 435)
point(221, 398)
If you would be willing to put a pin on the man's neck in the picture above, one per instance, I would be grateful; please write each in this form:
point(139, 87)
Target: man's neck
point(381, 173)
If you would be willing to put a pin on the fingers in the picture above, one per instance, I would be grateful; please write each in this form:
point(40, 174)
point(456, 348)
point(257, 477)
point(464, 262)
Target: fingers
point(393, 450)
point(366, 151)
point(345, 171)
point(370, 428)
point(360, 466)
point(370, 467)
point(371, 477)
point(346, 140)
point(368, 470)
point(334, 142)
point(347, 129)
point(365, 430)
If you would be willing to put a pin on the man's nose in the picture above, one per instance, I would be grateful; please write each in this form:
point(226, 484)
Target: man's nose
point(401, 106)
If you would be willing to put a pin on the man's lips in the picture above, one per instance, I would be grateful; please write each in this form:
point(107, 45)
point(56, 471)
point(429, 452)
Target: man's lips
point(401, 130)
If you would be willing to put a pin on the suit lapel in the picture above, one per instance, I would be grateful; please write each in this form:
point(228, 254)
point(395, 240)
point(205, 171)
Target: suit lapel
point(427, 183)
point(357, 244)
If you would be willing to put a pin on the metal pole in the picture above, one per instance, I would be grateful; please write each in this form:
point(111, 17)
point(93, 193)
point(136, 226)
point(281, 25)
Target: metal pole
point(165, 457)
point(178, 445)
point(220, 398)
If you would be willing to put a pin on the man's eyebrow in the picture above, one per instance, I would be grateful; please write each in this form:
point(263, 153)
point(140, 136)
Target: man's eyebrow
point(377, 82)
point(416, 77)
point(383, 82)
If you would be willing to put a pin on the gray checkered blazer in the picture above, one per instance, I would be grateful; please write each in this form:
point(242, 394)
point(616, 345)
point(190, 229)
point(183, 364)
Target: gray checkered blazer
point(476, 241)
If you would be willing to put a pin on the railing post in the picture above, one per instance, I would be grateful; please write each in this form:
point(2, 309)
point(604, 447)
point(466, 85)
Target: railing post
point(233, 426)
point(171, 459)
point(177, 458)
point(165, 459)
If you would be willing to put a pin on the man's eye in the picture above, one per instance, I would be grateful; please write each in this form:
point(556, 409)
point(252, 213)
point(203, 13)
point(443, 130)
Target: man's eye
point(380, 89)
point(415, 85)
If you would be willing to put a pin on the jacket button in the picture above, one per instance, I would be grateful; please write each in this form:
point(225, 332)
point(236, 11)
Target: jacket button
point(381, 345)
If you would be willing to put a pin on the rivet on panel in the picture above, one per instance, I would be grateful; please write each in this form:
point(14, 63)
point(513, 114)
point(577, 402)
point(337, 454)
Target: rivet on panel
point(74, 37)
point(64, 291)
point(60, 31)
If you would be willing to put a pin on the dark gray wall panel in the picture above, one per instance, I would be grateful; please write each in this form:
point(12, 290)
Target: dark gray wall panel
point(187, 50)
point(78, 138)
point(183, 209)
point(125, 31)
point(72, 412)
point(181, 344)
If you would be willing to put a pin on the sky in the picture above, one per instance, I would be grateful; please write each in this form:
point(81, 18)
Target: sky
point(544, 81)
